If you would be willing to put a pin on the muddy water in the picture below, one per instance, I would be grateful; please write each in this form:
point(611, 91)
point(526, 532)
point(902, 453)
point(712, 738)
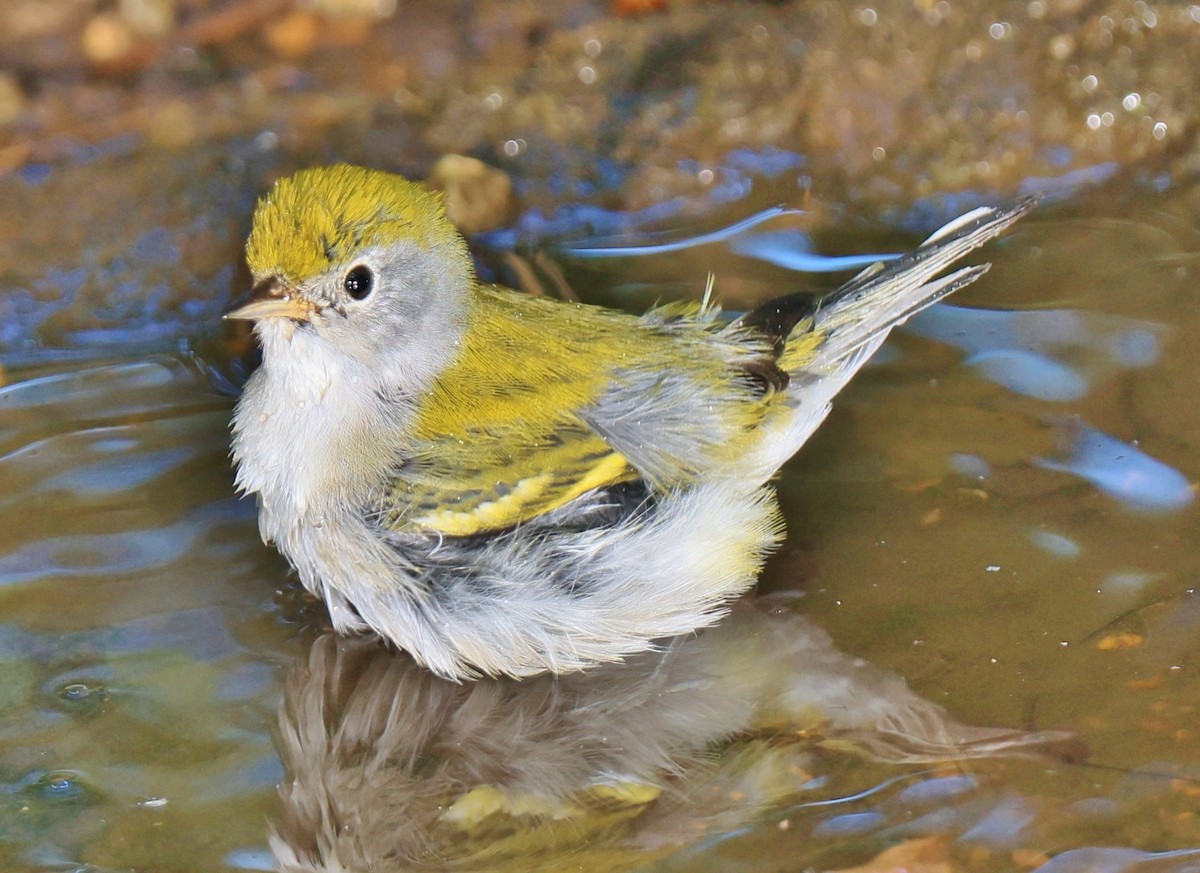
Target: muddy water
point(999, 510)
point(1007, 519)
point(140, 645)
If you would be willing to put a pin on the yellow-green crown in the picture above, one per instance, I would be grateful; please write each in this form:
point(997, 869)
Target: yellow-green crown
point(324, 217)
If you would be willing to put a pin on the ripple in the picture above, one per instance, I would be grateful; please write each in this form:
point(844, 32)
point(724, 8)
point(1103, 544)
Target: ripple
point(119, 474)
point(56, 786)
point(850, 823)
point(1058, 355)
point(1056, 544)
point(937, 790)
point(1122, 471)
point(1030, 373)
point(99, 554)
point(1114, 860)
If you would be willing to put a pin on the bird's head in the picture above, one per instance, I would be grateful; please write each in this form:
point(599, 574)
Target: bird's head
point(364, 260)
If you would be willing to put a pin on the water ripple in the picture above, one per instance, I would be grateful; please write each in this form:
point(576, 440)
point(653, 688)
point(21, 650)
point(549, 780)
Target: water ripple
point(1122, 471)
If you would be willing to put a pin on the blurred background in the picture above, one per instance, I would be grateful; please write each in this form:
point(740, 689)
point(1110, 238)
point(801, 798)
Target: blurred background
point(1000, 509)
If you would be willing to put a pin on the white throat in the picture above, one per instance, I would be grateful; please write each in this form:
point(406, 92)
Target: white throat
point(311, 435)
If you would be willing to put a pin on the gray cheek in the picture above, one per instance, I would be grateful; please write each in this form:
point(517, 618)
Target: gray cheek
point(409, 313)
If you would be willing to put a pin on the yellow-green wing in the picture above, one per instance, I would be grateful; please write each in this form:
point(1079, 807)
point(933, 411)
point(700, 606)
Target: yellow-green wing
point(547, 401)
point(498, 439)
point(497, 480)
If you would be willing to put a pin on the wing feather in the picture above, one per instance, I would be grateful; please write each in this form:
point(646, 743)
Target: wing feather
point(548, 402)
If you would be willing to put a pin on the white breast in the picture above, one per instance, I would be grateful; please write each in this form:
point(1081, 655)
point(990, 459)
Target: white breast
point(310, 436)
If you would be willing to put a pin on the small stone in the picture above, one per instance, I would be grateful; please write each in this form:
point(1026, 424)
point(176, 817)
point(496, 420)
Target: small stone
point(478, 197)
point(625, 8)
point(152, 19)
point(12, 99)
point(294, 35)
point(107, 39)
point(1119, 642)
point(367, 8)
point(173, 125)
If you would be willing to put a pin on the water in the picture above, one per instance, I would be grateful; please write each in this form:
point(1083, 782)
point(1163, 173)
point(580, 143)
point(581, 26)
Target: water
point(140, 659)
point(999, 510)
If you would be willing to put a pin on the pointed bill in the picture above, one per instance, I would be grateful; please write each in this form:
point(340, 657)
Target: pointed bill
point(271, 299)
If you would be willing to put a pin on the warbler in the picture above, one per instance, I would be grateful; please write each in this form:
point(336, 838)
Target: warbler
point(505, 484)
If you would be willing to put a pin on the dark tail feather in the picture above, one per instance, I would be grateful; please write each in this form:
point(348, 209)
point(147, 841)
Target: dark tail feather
point(776, 318)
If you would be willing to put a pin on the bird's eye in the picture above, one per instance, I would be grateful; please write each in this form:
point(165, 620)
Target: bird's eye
point(359, 282)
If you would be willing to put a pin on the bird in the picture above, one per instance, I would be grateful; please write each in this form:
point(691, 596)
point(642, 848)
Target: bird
point(503, 484)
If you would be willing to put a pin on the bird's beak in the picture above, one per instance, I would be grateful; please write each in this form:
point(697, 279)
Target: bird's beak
point(270, 298)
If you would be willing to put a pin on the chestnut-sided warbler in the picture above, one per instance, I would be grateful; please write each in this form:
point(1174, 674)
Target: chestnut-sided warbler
point(507, 484)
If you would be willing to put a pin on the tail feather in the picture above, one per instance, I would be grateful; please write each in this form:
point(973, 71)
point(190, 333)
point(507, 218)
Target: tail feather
point(847, 341)
point(831, 340)
point(887, 294)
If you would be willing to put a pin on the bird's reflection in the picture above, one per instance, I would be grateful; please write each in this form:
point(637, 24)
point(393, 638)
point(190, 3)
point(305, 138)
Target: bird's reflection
point(391, 768)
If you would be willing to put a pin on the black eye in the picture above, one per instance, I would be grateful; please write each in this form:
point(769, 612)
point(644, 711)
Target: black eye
point(359, 282)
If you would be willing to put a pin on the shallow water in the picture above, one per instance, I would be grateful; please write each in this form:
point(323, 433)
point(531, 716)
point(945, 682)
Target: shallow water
point(999, 510)
point(1012, 527)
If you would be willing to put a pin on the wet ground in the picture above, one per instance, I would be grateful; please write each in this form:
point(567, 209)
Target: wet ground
point(1000, 509)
